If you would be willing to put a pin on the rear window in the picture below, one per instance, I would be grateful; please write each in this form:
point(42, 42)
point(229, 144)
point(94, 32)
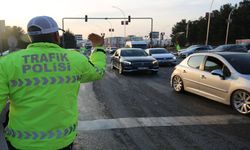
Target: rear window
point(195, 61)
point(239, 62)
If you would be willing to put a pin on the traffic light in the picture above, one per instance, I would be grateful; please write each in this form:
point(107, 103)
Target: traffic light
point(129, 18)
point(86, 18)
point(111, 30)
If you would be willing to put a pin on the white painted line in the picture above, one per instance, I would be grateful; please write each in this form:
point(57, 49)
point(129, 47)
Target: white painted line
point(120, 123)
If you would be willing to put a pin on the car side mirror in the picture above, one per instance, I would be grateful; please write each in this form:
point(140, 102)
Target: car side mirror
point(218, 72)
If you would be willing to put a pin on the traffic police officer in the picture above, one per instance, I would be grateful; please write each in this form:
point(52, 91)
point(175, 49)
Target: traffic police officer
point(42, 83)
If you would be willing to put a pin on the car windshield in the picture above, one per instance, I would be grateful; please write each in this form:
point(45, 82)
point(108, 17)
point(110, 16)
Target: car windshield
point(142, 46)
point(239, 62)
point(158, 51)
point(133, 53)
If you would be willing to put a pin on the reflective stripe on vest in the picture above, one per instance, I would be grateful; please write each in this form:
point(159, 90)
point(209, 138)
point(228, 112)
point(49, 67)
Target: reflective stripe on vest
point(45, 81)
point(27, 135)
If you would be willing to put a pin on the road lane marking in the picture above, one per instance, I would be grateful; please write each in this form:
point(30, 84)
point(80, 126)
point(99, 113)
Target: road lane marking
point(121, 123)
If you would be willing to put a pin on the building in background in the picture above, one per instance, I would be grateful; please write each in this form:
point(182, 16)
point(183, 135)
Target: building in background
point(79, 40)
point(134, 38)
point(114, 42)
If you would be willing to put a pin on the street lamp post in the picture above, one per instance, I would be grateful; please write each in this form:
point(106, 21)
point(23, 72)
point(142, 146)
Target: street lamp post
point(187, 29)
point(208, 22)
point(111, 30)
point(124, 19)
point(228, 24)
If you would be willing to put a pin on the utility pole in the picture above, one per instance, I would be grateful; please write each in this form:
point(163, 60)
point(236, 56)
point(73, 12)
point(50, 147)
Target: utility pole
point(208, 22)
point(187, 29)
point(229, 20)
point(123, 13)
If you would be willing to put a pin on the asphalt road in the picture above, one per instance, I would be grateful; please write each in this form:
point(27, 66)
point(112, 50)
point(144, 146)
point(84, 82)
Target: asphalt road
point(140, 111)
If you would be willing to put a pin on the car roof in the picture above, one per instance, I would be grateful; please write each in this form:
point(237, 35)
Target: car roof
point(220, 53)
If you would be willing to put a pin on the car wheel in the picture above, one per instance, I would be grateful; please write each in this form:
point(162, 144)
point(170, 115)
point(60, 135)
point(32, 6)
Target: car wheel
point(240, 101)
point(177, 84)
point(120, 69)
point(112, 65)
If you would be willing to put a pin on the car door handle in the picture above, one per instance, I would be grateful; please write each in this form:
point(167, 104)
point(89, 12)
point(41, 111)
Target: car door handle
point(203, 77)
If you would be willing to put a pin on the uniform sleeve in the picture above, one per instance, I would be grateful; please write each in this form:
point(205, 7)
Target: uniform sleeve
point(95, 68)
point(4, 89)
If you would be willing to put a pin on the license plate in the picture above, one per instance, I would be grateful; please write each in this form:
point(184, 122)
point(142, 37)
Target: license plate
point(142, 68)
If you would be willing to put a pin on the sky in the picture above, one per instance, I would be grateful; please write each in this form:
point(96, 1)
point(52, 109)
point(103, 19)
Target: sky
point(165, 14)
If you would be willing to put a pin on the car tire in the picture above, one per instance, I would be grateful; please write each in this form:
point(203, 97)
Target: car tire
point(177, 84)
point(120, 69)
point(240, 101)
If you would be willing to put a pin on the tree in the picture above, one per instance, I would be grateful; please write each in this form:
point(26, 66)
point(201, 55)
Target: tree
point(178, 33)
point(68, 39)
point(16, 33)
point(239, 27)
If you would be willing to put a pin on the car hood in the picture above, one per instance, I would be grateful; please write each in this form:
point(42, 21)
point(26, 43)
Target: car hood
point(131, 59)
point(167, 55)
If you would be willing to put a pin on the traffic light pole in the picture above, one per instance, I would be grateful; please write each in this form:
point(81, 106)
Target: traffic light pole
point(114, 18)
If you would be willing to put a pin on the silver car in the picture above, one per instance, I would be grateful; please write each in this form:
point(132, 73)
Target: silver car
point(161, 55)
point(223, 77)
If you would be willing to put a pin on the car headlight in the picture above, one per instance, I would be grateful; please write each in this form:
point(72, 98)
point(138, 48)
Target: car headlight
point(155, 62)
point(126, 62)
point(174, 57)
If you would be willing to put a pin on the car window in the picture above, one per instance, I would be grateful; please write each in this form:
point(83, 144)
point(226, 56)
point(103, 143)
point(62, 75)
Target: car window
point(132, 53)
point(213, 63)
point(201, 48)
point(226, 71)
point(116, 53)
point(237, 48)
point(195, 61)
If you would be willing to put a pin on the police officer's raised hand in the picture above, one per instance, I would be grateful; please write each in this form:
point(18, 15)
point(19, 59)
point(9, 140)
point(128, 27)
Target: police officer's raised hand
point(96, 40)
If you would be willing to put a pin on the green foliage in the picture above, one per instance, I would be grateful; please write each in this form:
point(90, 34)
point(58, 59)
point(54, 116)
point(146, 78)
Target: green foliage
point(239, 27)
point(178, 36)
point(69, 40)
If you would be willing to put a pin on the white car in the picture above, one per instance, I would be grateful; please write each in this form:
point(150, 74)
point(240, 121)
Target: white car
point(111, 50)
point(162, 56)
point(6, 52)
